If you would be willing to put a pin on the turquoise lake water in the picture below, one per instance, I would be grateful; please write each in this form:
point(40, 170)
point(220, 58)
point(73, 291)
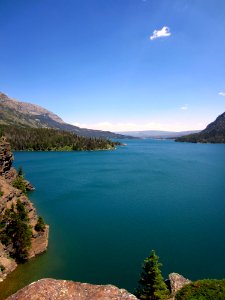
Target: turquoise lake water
point(108, 209)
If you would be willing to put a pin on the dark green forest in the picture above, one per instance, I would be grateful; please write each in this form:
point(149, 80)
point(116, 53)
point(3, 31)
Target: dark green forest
point(46, 139)
point(214, 133)
point(203, 137)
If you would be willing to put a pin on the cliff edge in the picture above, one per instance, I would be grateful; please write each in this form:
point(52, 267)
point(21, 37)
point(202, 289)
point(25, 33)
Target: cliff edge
point(10, 196)
point(65, 290)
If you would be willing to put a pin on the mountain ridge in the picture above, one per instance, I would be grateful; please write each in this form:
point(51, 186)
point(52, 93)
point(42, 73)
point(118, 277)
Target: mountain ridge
point(213, 133)
point(15, 112)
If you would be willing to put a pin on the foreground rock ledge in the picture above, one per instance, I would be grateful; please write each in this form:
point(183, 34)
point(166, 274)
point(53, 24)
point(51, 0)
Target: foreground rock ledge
point(52, 289)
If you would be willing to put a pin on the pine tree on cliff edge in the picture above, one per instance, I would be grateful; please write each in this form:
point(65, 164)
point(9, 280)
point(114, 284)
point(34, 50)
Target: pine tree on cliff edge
point(151, 283)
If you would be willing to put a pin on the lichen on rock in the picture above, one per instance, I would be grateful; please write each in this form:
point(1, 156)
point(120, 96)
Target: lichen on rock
point(66, 290)
point(177, 281)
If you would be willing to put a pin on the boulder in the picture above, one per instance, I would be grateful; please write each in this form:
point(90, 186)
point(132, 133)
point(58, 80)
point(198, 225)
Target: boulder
point(176, 282)
point(53, 289)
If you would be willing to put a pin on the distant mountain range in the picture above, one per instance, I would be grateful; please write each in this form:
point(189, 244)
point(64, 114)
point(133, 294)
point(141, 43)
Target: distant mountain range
point(14, 112)
point(214, 133)
point(157, 134)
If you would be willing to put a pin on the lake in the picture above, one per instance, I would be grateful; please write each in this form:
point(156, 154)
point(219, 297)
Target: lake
point(108, 209)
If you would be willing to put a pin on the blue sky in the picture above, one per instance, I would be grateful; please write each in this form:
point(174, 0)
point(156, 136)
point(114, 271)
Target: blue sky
point(117, 64)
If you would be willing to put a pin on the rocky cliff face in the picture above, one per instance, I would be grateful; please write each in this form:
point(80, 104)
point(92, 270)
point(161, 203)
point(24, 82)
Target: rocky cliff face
point(8, 197)
point(65, 290)
point(6, 157)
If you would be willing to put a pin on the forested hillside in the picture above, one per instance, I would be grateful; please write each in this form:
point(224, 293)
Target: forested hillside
point(214, 133)
point(45, 139)
point(14, 112)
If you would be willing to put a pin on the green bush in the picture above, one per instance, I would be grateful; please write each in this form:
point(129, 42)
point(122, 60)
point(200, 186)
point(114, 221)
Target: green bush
point(207, 289)
point(1, 193)
point(18, 183)
point(21, 211)
point(16, 231)
point(2, 268)
point(20, 172)
point(40, 226)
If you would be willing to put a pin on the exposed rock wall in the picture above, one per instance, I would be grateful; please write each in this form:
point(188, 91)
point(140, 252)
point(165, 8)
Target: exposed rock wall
point(10, 196)
point(6, 157)
point(7, 264)
point(66, 290)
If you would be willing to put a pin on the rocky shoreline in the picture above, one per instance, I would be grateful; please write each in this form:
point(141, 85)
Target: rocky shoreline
point(8, 197)
point(49, 288)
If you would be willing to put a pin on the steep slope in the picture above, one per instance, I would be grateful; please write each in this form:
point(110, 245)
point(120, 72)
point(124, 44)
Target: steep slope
point(22, 113)
point(14, 112)
point(214, 133)
point(15, 202)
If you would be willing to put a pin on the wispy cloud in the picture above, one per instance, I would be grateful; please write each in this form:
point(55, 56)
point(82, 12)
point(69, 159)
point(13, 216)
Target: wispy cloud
point(129, 126)
point(185, 107)
point(165, 31)
point(221, 93)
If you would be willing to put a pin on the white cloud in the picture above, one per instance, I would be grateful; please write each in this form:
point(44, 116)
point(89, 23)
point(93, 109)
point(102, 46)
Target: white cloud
point(221, 93)
point(165, 31)
point(185, 107)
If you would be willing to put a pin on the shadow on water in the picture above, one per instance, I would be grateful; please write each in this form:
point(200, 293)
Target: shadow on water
point(22, 276)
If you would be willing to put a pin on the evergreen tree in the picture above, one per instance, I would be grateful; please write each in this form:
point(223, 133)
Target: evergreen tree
point(16, 231)
point(19, 183)
point(47, 139)
point(21, 211)
point(20, 172)
point(152, 285)
point(40, 226)
point(1, 132)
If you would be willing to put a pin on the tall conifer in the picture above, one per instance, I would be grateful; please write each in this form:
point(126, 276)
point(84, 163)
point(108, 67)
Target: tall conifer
point(151, 283)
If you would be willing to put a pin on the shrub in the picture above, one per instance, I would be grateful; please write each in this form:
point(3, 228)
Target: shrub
point(18, 183)
point(40, 226)
point(20, 172)
point(207, 289)
point(2, 268)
